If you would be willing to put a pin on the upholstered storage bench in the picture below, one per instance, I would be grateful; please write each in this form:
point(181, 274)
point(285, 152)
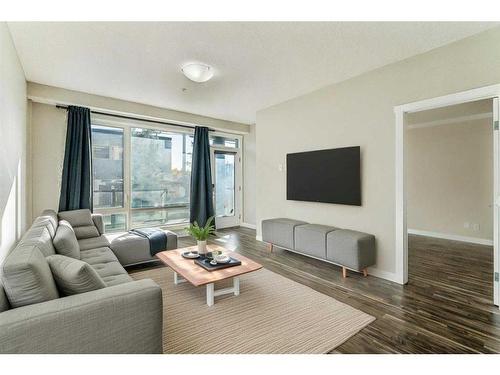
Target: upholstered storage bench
point(280, 231)
point(347, 248)
point(310, 239)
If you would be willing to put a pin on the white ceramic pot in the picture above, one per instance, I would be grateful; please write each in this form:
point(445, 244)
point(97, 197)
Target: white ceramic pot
point(202, 247)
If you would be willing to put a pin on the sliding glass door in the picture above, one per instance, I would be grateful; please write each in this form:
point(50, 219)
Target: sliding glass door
point(142, 176)
point(227, 185)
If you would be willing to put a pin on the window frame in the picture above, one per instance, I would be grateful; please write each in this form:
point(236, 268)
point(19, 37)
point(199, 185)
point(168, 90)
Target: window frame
point(126, 126)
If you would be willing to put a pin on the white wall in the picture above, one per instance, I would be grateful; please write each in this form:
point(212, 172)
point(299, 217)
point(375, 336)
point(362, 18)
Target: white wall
point(249, 177)
point(450, 179)
point(13, 145)
point(359, 112)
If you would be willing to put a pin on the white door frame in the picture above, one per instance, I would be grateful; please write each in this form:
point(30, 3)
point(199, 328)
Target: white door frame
point(401, 244)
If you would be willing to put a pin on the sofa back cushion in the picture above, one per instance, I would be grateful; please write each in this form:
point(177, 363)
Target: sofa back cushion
point(74, 276)
point(48, 219)
point(65, 241)
point(82, 223)
point(26, 275)
point(4, 302)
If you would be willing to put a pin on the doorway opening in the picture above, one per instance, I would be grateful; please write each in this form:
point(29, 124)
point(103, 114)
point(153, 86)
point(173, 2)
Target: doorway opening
point(450, 199)
point(403, 113)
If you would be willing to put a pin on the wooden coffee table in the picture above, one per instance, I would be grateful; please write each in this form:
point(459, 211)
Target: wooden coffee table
point(187, 270)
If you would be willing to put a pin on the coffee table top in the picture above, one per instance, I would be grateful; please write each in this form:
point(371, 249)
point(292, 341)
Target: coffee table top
point(197, 275)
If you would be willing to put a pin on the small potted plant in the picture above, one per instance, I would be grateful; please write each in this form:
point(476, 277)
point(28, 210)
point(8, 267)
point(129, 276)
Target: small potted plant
point(201, 234)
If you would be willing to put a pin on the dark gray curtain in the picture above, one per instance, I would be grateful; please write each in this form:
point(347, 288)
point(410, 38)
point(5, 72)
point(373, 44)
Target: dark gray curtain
point(76, 185)
point(202, 206)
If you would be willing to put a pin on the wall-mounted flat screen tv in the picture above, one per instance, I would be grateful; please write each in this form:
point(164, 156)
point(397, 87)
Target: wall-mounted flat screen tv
point(329, 176)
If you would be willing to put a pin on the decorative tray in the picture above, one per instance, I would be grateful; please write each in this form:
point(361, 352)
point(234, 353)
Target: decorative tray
point(205, 263)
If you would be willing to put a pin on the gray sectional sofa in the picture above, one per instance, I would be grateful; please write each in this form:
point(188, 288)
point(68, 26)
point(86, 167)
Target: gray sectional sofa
point(347, 248)
point(121, 316)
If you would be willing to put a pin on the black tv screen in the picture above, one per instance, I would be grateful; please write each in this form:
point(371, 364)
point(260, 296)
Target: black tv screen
point(329, 176)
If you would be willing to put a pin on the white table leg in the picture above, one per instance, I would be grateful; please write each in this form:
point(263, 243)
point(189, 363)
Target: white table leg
point(178, 279)
point(210, 294)
point(236, 286)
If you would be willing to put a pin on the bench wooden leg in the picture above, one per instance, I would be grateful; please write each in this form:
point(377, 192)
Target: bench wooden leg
point(365, 272)
point(270, 247)
point(344, 272)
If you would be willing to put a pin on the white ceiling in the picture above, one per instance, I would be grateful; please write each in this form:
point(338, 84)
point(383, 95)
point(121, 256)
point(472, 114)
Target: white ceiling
point(257, 64)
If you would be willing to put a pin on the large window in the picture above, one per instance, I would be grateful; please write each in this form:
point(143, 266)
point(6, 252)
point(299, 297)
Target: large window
point(141, 176)
point(160, 176)
point(107, 165)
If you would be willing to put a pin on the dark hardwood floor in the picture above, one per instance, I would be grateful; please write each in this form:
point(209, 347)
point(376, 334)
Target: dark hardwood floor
point(447, 306)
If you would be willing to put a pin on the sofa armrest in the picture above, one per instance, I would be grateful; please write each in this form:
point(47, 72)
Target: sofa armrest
point(98, 222)
point(125, 318)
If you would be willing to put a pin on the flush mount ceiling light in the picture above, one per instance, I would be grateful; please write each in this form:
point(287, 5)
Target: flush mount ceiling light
point(198, 72)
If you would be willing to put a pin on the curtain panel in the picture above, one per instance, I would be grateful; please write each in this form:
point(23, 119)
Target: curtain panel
point(76, 182)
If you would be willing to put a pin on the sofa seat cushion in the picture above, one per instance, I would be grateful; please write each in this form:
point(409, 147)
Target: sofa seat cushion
point(280, 231)
point(310, 239)
point(107, 266)
point(65, 241)
point(82, 223)
point(74, 276)
point(26, 276)
point(93, 243)
point(117, 279)
point(130, 248)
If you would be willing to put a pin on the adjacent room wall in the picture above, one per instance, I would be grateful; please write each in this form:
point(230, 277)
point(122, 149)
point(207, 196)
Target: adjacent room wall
point(48, 128)
point(450, 179)
point(359, 112)
point(13, 129)
point(249, 177)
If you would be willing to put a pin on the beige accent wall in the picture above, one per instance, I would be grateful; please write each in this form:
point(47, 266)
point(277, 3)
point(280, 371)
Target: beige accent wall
point(13, 145)
point(48, 138)
point(49, 133)
point(450, 179)
point(359, 112)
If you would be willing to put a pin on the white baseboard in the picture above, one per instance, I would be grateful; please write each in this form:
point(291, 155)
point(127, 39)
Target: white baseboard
point(247, 225)
point(381, 274)
point(453, 237)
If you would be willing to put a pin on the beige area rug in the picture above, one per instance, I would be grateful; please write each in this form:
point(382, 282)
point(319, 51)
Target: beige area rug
point(272, 314)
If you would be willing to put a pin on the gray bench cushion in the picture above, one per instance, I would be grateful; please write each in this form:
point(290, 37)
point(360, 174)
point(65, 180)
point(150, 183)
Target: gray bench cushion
point(279, 231)
point(352, 249)
point(106, 264)
point(130, 248)
point(93, 243)
point(310, 239)
point(26, 276)
point(74, 276)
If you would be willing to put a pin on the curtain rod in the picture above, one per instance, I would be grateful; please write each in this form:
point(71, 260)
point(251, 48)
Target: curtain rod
point(136, 118)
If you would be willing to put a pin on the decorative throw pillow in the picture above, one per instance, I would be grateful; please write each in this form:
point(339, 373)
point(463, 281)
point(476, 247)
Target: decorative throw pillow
point(82, 223)
point(65, 240)
point(74, 276)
